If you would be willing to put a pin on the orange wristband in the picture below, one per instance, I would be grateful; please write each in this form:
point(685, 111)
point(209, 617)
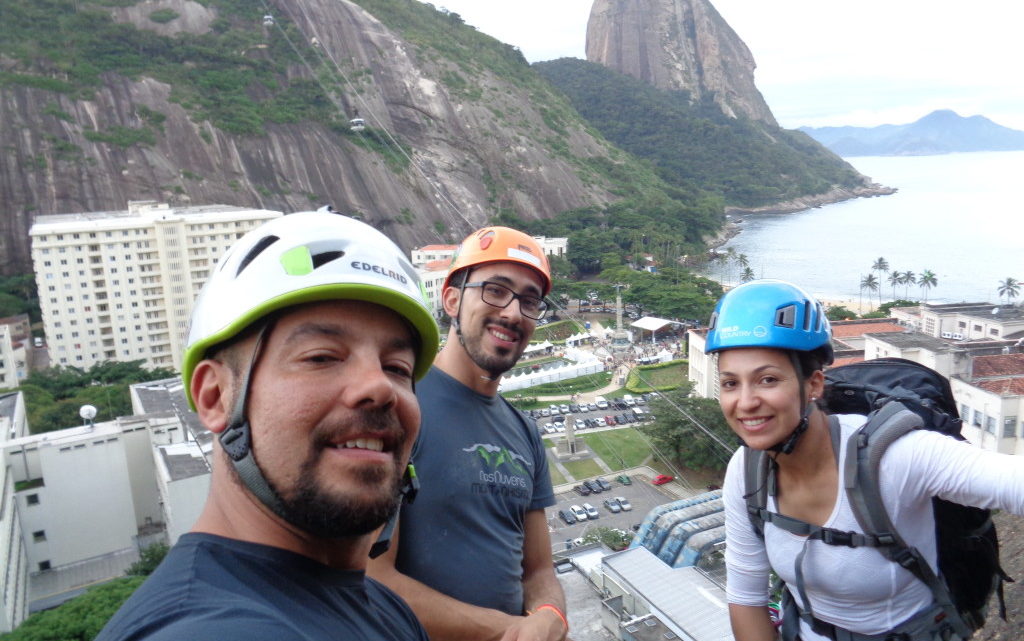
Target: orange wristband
point(553, 608)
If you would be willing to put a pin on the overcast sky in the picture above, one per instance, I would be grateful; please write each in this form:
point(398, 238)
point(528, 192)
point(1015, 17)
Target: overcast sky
point(822, 63)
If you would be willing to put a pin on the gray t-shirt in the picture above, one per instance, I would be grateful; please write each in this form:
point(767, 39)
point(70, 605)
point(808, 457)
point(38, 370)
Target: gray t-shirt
point(481, 466)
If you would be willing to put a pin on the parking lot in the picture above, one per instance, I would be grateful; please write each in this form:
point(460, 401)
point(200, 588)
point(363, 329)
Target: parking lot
point(641, 494)
point(590, 415)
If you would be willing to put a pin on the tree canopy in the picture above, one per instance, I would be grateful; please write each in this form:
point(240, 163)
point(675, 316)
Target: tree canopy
point(679, 438)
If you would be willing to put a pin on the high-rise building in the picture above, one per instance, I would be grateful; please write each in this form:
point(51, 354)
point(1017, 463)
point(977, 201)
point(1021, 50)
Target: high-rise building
point(14, 567)
point(119, 286)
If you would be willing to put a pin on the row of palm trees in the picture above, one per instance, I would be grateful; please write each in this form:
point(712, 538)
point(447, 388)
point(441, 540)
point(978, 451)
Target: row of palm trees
point(1008, 289)
point(872, 283)
point(726, 260)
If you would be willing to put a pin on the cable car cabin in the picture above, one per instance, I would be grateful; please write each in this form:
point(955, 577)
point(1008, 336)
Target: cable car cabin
point(268, 20)
point(357, 124)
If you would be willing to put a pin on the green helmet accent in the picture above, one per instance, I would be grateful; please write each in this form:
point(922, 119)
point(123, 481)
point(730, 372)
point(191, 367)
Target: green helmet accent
point(302, 258)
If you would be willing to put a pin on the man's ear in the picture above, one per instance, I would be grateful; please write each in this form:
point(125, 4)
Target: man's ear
point(212, 391)
point(450, 300)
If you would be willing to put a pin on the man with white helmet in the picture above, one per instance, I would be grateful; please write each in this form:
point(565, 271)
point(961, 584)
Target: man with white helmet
point(302, 353)
point(473, 555)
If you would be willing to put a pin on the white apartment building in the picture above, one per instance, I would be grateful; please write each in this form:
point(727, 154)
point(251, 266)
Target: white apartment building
point(432, 275)
point(119, 286)
point(15, 350)
point(13, 559)
point(421, 256)
point(964, 321)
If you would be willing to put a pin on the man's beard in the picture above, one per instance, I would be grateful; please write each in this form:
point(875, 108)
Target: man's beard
point(353, 511)
point(499, 363)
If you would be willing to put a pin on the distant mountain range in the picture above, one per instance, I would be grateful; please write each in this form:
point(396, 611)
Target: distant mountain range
point(940, 132)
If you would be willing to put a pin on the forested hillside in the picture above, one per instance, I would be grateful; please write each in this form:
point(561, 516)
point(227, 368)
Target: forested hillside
point(748, 163)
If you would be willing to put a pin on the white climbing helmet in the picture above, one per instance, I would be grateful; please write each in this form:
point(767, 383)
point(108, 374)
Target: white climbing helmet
point(301, 258)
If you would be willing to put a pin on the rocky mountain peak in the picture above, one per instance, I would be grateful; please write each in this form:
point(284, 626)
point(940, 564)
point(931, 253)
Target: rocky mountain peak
point(677, 45)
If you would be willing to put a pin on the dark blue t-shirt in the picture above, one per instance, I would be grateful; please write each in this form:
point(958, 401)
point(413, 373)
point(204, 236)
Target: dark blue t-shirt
point(210, 587)
point(482, 467)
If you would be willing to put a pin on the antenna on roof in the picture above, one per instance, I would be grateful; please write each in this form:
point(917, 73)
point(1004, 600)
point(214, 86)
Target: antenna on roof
point(87, 412)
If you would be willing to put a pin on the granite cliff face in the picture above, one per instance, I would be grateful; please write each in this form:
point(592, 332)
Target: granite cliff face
point(466, 164)
point(677, 45)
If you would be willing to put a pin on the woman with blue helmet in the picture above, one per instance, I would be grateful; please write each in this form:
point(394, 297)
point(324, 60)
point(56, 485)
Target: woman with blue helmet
point(772, 341)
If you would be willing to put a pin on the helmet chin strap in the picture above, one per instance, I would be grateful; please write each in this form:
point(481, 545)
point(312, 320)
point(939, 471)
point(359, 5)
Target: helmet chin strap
point(788, 444)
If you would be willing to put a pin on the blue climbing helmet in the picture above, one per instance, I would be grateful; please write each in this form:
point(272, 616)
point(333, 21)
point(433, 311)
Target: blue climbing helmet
point(772, 314)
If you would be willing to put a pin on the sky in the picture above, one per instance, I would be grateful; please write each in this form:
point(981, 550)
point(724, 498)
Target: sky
point(826, 63)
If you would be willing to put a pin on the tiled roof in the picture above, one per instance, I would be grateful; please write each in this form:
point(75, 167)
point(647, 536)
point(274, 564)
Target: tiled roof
point(839, 362)
point(998, 365)
point(859, 329)
point(434, 248)
point(437, 265)
point(1003, 386)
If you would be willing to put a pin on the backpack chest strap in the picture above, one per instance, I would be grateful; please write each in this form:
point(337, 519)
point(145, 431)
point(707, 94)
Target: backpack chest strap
point(827, 535)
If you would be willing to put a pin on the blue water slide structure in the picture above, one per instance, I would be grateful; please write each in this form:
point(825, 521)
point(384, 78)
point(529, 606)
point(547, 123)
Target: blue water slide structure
point(682, 533)
point(699, 545)
point(651, 526)
point(673, 520)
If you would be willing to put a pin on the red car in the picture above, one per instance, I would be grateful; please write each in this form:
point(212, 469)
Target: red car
point(662, 479)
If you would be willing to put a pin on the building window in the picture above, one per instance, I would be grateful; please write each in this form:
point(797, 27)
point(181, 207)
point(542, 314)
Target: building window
point(39, 536)
point(994, 331)
point(990, 424)
point(1009, 427)
point(44, 566)
point(32, 499)
point(977, 418)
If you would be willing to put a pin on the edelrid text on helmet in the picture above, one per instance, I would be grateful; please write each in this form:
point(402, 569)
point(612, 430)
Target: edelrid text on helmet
point(499, 244)
point(772, 314)
point(302, 258)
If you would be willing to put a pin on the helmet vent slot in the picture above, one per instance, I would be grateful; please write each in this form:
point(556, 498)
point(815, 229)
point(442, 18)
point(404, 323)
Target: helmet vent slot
point(325, 257)
point(785, 316)
point(807, 315)
point(256, 250)
point(714, 321)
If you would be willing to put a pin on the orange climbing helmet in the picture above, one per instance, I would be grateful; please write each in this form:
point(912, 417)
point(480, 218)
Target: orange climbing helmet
point(499, 244)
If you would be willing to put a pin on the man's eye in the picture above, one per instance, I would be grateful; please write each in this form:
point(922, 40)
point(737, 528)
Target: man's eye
point(495, 290)
point(401, 370)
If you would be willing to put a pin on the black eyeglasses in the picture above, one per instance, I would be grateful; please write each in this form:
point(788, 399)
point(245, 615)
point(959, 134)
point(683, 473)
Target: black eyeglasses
point(497, 295)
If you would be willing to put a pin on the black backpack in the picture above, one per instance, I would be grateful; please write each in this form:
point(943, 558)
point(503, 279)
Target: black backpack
point(898, 396)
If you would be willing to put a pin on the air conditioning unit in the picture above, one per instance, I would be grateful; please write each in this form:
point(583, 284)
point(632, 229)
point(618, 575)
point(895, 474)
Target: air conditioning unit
point(958, 337)
point(947, 334)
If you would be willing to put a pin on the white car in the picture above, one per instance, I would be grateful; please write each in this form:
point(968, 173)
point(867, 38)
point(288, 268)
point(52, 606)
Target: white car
point(578, 512)
point(591, 511)
point(624, 503)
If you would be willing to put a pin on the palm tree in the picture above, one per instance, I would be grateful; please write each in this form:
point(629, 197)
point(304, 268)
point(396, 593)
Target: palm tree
point(1009, 288)
point(895, 278)
point(926, 281)
point(730, 256)
point(907, 279)
point(881, 266)
point(870, 283)
point(742, 261)
point(747, 275)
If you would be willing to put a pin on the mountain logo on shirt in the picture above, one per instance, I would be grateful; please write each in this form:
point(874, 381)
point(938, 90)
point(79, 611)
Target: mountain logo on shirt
point(495, 456)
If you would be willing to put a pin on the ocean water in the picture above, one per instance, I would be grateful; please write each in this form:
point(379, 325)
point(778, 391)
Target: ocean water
point(959, 215)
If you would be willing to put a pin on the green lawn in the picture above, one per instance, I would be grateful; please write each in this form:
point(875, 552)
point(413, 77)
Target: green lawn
point(556, 476)
point(659, 377)
point(583, 469)
point(620, 449)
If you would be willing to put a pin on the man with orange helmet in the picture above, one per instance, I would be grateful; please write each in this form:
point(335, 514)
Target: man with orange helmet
point(474, 556)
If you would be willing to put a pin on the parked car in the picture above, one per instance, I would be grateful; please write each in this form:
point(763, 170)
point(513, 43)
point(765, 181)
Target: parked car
point(545, 412)
point(574, 408)
point(559, 419)
point(610, 420)
point(601, 403)
point(624, 479)
point(591, 511)
point(599, 421)
point(566, 516)
point(549, 428)
point(662, 479)
point(579, 424)
point(612, 505)
point(624, 503)
point(629, 400)
point(563, 408)
point(583, 490)
point(605, 485)
point(592, 407)
point(592, 486)
point(620, 419)
point(578, 512)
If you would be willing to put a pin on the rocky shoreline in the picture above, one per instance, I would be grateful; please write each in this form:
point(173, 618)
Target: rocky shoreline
point(835, 195)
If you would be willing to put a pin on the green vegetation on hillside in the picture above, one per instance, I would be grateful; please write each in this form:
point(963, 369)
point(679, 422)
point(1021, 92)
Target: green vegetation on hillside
point(747, 162)
point(79, 619)
point(18, 296)
point(53, 396)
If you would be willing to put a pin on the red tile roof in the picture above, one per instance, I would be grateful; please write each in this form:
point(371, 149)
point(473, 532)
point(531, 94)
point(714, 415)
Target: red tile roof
point(998, 365)
point(437, 265)
point(1004, 386)
point(434, 248)
point(859, 329)
point(846, 361)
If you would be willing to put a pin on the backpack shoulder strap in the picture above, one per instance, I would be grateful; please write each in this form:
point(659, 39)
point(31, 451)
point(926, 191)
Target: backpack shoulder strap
point(755, 486)
point(864, 451)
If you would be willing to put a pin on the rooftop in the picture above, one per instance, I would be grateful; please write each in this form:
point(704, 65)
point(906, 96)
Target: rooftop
point(139, 214)
point(184, 460)
point(168, 395)
point(912, 340)
point(436, 248)
point(1003, 386)
point(442, 264)
point(847, 329)
point(998, 365)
